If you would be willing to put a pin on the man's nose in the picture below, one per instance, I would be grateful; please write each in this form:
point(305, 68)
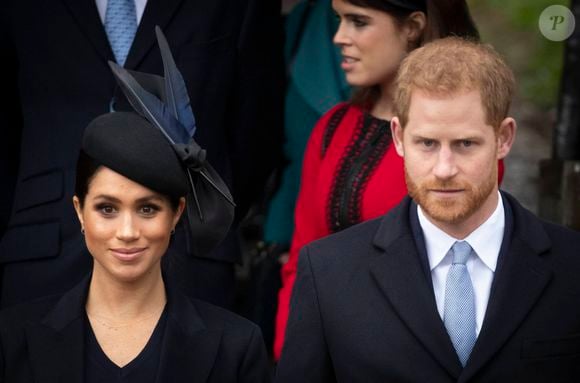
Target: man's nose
point(446, 166)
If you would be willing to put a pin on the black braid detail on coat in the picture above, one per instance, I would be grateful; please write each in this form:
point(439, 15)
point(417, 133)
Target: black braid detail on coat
point(333, 123)
point(370, 140)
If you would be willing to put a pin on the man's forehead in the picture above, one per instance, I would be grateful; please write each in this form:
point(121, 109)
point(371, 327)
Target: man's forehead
point(434, 113)
point(465, 103)
point(444, 95)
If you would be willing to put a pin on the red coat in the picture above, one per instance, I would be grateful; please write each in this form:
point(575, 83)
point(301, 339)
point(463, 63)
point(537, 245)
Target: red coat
point(327, 197)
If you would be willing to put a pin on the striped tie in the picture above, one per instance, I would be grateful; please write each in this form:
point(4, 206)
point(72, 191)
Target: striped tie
point(121, 26)
point(459, 309)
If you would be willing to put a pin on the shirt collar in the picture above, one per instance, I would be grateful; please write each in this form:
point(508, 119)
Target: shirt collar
point(485, 240)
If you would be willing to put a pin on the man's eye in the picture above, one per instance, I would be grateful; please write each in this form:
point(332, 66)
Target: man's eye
point(428, 143)
point(466, 143)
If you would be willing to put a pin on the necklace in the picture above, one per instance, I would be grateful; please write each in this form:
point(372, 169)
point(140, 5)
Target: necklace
point(108, 324)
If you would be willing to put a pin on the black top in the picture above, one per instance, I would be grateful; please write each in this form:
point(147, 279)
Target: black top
point(143, 369)
point(46, 340)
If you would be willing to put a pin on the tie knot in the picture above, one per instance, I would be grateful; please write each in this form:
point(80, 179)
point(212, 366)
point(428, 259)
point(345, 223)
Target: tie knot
point(461, 251)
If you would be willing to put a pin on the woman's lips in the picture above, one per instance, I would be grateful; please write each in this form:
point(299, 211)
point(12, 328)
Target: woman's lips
point(348, 63)
point(128, 254)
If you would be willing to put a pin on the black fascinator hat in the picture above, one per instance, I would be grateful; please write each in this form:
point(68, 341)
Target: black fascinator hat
point(155, 148)
point(127, 143)
point(411, 5)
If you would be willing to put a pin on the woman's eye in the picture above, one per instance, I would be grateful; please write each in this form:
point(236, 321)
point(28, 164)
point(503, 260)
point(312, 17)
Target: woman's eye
point(149, 210)
point(106, 210)
point(359, 23)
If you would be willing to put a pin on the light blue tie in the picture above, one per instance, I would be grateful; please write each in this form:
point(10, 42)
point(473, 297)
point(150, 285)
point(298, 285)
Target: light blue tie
point(121, 26)
point(459, 309)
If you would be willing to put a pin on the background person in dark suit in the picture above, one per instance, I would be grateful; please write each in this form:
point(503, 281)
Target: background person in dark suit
point(459, 283)
point(56, 55)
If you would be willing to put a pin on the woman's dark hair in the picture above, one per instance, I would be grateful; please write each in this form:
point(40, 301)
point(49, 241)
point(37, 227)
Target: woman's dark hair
point(444, 18)
point(87, 167)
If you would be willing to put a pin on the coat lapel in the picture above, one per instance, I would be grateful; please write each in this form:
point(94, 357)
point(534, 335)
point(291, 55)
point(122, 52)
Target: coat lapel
point(87, 18)
point(157, 13)
point(56, 343)
point(186, 335)
point(401, 278)
point(521, 278)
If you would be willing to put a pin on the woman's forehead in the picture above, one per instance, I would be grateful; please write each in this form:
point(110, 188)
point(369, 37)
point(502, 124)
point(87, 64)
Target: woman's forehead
point(108, 183)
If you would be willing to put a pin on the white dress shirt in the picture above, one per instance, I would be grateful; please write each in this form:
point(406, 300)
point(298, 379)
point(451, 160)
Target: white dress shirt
point(486, 243)
point(139, 9)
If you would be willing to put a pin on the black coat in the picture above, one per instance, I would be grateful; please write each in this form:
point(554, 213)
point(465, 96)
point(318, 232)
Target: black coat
point(43, 342)
point(57, 80)
point(363, 308)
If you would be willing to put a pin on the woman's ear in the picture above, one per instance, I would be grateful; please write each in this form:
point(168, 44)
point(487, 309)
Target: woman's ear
point(79, 210)
point(179, 211)
point(414, 27)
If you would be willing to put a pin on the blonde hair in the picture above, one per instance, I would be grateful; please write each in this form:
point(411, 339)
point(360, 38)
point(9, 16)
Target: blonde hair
point(451, 65)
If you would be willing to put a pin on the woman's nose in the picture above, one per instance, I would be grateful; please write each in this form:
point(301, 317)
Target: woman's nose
point(341, 36)
point(127, 230)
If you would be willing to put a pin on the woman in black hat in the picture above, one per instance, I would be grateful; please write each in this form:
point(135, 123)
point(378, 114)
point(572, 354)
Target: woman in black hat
point(125, 322)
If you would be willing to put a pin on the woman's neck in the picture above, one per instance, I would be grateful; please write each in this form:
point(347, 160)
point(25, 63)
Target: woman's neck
point(383, 107)
point(125, 301)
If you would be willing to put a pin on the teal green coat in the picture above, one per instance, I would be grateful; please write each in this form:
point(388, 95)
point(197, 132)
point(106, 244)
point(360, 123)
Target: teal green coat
point(315, 84)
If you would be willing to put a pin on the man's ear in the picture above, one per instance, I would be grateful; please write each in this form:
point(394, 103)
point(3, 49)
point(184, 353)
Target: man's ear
point(506, 136)
point(397, 134)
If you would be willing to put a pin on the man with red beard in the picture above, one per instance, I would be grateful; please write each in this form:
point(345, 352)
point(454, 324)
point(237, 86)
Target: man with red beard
point(458, 283)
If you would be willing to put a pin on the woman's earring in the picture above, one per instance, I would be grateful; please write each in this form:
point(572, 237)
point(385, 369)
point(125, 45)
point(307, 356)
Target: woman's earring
point(172, 231)
point(82, 230)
